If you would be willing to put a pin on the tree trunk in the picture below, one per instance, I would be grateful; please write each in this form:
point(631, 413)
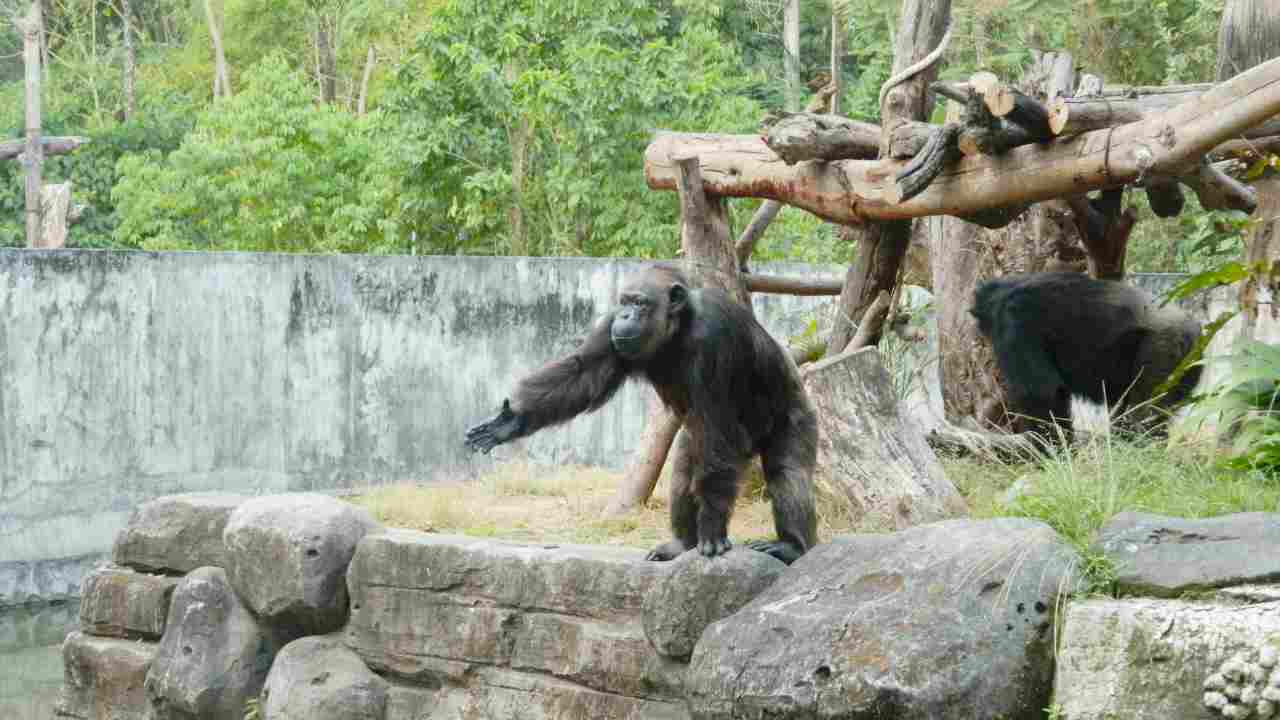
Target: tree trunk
point(33, 153)
point(1250, 35)
point(326, 61)
point(791, 53)
point(883, 245)
point(56, 204)
point(520, 135)
point(130, 58)
point(364, 81)
point(839, 32)
point(707, 244)
point(221, 79)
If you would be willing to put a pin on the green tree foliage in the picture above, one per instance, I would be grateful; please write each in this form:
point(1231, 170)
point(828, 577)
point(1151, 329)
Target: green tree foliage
point(580, 87)
point(464, 90)
point(264, 170)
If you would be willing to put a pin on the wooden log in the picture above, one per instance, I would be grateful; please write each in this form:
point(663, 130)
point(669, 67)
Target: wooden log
point(1070, 116)
point(803, 136)
point(746, 243)
point(33, 150)
point(997, 96)
point(1139, 90)
point(52, 145)
point(56, 206)
point(660, 429)
point(1219, 191)
point(797, 137)
point(928, 163)
point(793, 285)
point(872, 325)
point(1012, 105)
point(852, 191)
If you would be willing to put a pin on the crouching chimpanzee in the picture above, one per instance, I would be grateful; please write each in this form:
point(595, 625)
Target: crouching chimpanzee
point(721, 372)
point(1061, 334)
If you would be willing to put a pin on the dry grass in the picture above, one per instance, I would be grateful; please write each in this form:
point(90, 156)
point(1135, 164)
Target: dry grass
point(566, 505)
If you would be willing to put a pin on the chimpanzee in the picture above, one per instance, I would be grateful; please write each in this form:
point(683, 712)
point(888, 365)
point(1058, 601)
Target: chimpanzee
point(1060, 334)
point(735, 389)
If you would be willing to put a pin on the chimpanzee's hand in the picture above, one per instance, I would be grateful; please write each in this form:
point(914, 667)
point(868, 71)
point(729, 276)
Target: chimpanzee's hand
point(505, 426)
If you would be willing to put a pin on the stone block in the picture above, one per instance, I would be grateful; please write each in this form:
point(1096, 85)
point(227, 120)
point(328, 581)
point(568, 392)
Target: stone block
point(104, 678)
point(119, 602)
point(176, 533)
point(287, 558)
point(1155, 659)
point(434, 609)
point(948, 620)
point(317, 678)
point(1162, 556)
point(699, 591)
point(214, 655)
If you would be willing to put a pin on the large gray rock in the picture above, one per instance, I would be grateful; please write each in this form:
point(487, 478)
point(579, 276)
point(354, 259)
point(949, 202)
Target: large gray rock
point(118, 602)
point(214, 655)
point(287, 557)
point(1167, 557)
point(317, 678)
point(104, 677)
point(436, 609)
point(176, 533)
point(699, 591)
point(948, 620)
point(869, 449)
point(1156, 659)
point(497, 694)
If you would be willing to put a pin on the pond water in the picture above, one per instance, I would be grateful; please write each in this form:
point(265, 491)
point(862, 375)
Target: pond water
point(31, 659)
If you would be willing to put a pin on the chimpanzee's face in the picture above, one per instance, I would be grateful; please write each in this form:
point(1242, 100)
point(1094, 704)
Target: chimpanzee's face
point(646, 318)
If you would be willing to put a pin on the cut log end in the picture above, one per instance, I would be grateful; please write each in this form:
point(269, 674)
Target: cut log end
point(1059, 111)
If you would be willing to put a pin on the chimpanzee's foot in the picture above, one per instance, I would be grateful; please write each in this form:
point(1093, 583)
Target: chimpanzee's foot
point(711, 548)
point(669, 550)
point(784, 551)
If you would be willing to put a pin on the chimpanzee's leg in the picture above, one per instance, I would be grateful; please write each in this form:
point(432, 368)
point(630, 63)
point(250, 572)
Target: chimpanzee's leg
point(788, 463)
point(684, 505)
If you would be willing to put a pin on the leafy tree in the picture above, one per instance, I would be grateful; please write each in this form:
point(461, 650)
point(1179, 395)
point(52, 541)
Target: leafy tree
point(264, 170)
point(547, 108)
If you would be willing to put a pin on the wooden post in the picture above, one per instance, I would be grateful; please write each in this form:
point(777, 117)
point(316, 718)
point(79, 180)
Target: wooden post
point(883, 245)
point(33, 153)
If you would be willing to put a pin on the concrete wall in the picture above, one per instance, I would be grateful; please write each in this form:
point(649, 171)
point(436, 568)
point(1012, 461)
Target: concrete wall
point(129, 375)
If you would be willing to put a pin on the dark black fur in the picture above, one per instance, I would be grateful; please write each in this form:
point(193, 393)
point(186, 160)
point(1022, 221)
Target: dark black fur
point(722, 373)
point(1061, 334)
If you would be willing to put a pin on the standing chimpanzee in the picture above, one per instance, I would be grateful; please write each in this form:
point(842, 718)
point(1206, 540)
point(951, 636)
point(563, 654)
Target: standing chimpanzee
point(1061, 334)
point(735, 389)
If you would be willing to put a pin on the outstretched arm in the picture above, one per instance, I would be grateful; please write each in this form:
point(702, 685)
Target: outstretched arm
point(557, 392)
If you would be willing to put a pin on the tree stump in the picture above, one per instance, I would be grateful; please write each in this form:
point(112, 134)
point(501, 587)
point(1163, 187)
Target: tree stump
point(869, 452)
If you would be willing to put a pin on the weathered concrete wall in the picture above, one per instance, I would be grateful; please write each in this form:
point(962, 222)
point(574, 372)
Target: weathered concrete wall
point(129, 375)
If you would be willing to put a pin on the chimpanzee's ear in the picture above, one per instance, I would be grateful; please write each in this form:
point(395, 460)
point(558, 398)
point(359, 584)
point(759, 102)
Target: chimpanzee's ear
point(677, 296)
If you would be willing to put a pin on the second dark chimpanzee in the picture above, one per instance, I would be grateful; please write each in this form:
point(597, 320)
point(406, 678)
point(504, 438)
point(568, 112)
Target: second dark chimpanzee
point(1061, 334)
point(729, 381)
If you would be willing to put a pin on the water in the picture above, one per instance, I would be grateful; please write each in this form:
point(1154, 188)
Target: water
point(31, 659)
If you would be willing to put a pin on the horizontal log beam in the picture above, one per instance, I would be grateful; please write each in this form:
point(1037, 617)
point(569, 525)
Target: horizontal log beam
point(1071, 116)
point(53, 145)
point(853, 191)
point(778, 285)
